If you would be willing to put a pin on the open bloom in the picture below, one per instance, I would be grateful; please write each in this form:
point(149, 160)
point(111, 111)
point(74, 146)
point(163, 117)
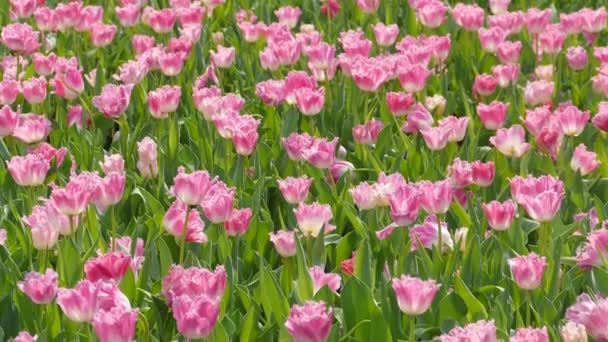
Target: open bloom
point(194, 282)
point(110, 266)
point(312, 217)
point(113, 100)
point(367, 133)
point(593, 314)
point(34, 90)
point(573, 332)
point(8, 120)
point(115, 325)
point(321, 153)
point(238, 222)
point(32, 128)
point(309, 322)
point(404, 204)
point(174, 220)
point(594, 251)
point(78, 304)
point(511, 141)
point(538, 92)
point(109, 191)
point(386, 35)
point(414, 295)
point(427, 234)
point(320, 279)
point(195, 317)
point(147, 162)
point(20, 38)
point(531, 335)
point(40, 288)
point(435, 198)
point(223, 58)
point(192, 188)
point(583, 160)
point(528, 270)
point(494, 115)
point(217, 206)
point(284, 242)
point(571, 120)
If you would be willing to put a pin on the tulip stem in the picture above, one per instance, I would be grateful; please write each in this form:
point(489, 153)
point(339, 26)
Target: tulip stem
point(42, 260)
point(182, 248)
point(113, 222)
point(528, 306)
point(439, 236)
point(412, 336)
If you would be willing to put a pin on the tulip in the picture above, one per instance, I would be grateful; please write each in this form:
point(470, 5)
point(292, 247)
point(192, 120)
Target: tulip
point(310, 102)
point(23, 8)
point(404, 205)
point(508, 52)
point(46, 19)
point(456, 125)
point(460, 174)
point(414, 295)
point(538, 92)
point(288, 15)
point(223, 58)
point(32, 128)
point(477, 331)
point(511, 141)
point(295, 190)
point(34, 90)
point(436, 138)
point(537, 20)
point(490, 39)
point(435, 198)
point(367, 134)
point(593, 314)
point(499, 215)
point(469, 17)
point(113, 100)
point(245, 134)
point(432, 14)
point(102, 35)
point(24, 336)
point(217, 205)
point(142, 43)
point(194, 282)
point(40, 288)
point(399, 103)
point(9, 89)
point(506, 74)
point(321, 153)
point(321, 279)
point(494, 115)
point(171, 63)
point(110, 266)
point(583, 160)
point(147, 154)
point(312, 218)
point(528, 270)
point(309, 322)
point(109, 191)
point(195, 317)
point(284, 242)
point(30, 170)
point(595, 250)
point(531, 335)
point(386, 35)
point(128, 15)
point(413, 77)
point(8, 120)
point(161, 21)
point(115, 325)
point(78, 304)
point(238, 222)
point(20, 38)
point(576, 56)
point(573, 332)
point(428, 234)
point(483, 173)
point(484, 85)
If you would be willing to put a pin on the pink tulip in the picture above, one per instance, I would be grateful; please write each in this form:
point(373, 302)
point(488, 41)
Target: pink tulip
point(46, 19)
point(571, 120)
point(413, 77)
point(223, 58)
point(71, 200)
point(537, 20)
point(288, 15)
point(24, 336)
point(427, 233)
point(506, 75)
point(9, 90)
point(161, 21)
point(40, 288)
point(46, 223)
point(131, 72)
point(128, 15)
point(435, 198)
point(528, 270)
point(191, 15)
point(102, 35)
point(195, 317)
point(295, 190)
point(310, 102)
point(491, 38)
point(113, 100)
point(192, 188)
point(173, 222)
point(538, 92)
point(321, 153)
point(386, 35)
point(312, 218)
point(44, 65)
point(494, 115)
point(484, 85)
point(469, 17)
point(309, 322)
point(368, 6)
point(194, 282)
point(2, 236)
point(78, 304)
point(573, 332)
point(34, 90)
point(537, 119)
point(88, 17)
point(68, 83)
point(295, 145)
point(340, 168)
point(74, 116)
point(583, 160)
point(509, 52)
point(142, 43)
point(30, 170)
point(217, 205)
point(576, 56)
point(271, 92)
point(330, 8)
point(511, 22)
point(483, 173)
point(238, 223)
point(600, 120)
point(511, 141)
point(436, 138)
point(460, 174)
point(499, 6)
point(171, 63)
point(593, 314)
point(294, 82)
point(399, 103)
point(284, 242)
point(244, 134)
point(147, 155)
point(109, 191)
point(414, 295)
point(551, 40)
point(593, 21)
point(365, 196)
point(115, 325)
point(20, 38)
point(113, 163)
point(369, 76)
point(32, 128)
point(432, 13)
point(367, 134)
point(477, 331)
point(110, 266)
point(68, 15)
point(404, 205)
point(456, 125)
point(595, 251)
point(499, 215)
point(531, 335)
point(321, 279)
point(164, 100)
point(23, 8)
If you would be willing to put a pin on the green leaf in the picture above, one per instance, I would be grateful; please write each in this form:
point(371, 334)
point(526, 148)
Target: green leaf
point(452, 306)
point(473, 304)
point(363, 264)
point(273, 299)
point(359, 305)
point(304, 286)
point(166, 261)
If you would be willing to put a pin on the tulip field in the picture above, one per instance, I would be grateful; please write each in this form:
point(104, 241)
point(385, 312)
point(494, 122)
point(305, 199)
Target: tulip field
point(303, 170)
